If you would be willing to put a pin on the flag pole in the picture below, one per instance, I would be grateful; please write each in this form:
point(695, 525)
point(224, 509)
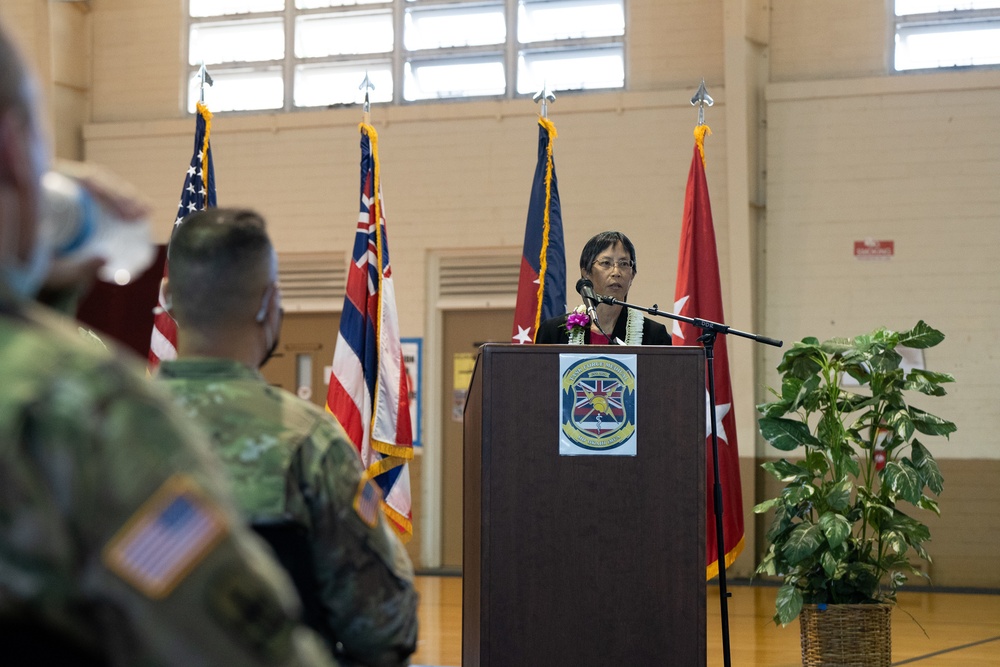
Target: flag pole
point(707, 339)
point(366, 85)
point(544, 96)
point(205, 78)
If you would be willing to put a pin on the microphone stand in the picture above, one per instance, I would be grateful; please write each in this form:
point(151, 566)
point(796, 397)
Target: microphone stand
point(709, 332)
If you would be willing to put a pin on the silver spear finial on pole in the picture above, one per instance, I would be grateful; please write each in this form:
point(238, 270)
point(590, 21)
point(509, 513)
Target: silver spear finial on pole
point(545, 96)
point(702, 99)
point(205, 78)
point(366, 85)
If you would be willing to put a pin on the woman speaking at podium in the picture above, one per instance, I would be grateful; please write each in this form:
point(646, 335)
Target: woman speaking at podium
point(607, 267)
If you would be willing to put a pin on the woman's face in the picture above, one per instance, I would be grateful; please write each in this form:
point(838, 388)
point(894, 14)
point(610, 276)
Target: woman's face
point(612, 272)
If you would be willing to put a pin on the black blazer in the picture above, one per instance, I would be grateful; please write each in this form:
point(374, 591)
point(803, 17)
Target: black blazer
point(553, 331)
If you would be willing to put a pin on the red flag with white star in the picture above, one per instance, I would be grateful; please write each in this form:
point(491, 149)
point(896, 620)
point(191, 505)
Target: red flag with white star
point(698, 293)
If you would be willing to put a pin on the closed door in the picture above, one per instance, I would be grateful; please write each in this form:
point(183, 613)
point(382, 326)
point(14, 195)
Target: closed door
point(463, 332)
point(302, 364)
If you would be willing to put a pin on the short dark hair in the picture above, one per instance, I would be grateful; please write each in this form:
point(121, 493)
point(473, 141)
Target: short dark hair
point(218, 263)
point(601, 242)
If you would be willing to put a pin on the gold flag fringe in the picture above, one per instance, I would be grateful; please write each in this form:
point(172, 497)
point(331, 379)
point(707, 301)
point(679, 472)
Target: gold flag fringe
point(543, 260)
point(207, 115)
point(699, 140)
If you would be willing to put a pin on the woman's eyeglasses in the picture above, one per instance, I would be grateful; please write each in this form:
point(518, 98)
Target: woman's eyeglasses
point(622, 264)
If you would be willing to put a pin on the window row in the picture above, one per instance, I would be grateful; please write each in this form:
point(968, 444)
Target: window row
point(273, 54)
point(283, 54)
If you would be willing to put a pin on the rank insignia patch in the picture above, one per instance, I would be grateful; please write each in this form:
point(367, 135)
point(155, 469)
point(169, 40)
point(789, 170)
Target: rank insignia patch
point(166, 538)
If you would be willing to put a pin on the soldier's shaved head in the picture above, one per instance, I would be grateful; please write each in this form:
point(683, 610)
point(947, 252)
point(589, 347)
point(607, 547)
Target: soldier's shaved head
point(221, 262)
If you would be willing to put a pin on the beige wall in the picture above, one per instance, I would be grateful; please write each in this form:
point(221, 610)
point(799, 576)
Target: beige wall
point(56, 39)
point(829, 39)
point(814, 146)
point(908, 159)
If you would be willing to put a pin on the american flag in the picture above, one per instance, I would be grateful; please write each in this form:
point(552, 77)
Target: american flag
point(368, 391)
point(198, 194)
point(541, 287)
point(165, 539)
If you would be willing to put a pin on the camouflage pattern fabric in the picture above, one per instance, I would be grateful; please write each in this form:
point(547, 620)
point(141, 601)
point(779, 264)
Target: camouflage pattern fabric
point(286, 457)
point(95, 462)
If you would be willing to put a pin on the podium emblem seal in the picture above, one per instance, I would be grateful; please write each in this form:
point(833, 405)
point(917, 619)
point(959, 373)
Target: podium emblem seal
point(598, 404)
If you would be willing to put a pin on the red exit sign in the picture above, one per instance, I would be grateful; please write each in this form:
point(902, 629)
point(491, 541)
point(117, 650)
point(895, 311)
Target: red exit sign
point(872, 249)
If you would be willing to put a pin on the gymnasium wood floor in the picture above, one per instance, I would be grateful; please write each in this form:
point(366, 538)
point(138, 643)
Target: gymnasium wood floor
point(962, 629)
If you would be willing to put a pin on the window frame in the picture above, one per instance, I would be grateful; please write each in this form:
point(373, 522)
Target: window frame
point(509, 51)
point(943, 18)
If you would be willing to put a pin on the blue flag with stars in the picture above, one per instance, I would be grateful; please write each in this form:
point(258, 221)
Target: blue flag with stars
point(541, 286)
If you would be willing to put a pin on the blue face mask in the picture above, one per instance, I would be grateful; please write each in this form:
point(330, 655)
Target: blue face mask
point(25, 280)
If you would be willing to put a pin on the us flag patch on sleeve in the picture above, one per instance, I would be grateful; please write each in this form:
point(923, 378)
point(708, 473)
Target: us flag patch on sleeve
point(166, 538)
point(368, 501)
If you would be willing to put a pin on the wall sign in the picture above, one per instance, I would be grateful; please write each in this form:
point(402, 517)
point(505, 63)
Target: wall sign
point(873, 249)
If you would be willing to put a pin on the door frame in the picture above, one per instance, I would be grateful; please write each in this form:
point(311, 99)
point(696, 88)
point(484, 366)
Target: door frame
point(431, 548)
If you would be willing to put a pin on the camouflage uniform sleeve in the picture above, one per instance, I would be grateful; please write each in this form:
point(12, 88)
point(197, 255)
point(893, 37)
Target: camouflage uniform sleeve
point(147, 546)
point(365, 575)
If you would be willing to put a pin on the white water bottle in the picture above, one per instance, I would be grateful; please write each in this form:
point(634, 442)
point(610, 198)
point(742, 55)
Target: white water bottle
point(79, 226)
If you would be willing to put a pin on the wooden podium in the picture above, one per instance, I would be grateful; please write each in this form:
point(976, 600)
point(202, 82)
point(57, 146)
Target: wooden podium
point(581, 561)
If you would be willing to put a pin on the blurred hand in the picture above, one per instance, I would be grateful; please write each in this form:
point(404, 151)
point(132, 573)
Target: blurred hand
point(70, 278)
point(68, 282)
point(116, 194)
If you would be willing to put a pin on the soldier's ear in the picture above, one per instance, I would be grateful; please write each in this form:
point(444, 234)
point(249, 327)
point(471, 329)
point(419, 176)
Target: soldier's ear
point(166, 295)
point(265, 303)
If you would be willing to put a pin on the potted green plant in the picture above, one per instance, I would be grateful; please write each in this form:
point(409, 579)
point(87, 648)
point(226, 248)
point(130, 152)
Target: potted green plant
point(841, 532)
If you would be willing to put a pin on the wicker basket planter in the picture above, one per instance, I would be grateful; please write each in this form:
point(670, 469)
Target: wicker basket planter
point(846, 635)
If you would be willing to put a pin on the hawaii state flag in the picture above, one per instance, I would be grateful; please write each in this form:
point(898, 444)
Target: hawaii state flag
point(197, 194)
point(368, 391)
point(541, 288)
point(699, 294)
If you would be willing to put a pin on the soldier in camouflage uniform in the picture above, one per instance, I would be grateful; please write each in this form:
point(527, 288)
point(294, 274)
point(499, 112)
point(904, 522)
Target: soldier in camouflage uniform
point(285, 457)
point(118, 544)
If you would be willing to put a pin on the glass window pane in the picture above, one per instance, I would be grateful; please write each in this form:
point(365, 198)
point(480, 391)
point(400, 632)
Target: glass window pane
point(318, 36)
point(316, 4)
point(947, 46)
point(568, 19)
point(571, 70)
point(454, 78)
point(441, 27)
point(240, 90)
point(237, 41)
point(326, 84)
point(906, 7)
point(227, 7)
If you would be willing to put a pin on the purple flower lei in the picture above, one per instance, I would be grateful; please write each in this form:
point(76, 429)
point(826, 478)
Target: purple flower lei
point(577, 319)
